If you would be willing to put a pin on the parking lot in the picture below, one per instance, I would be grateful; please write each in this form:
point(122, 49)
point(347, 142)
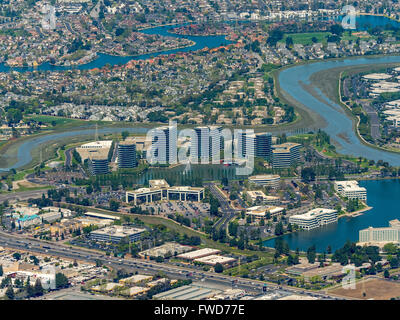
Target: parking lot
point(188, 209)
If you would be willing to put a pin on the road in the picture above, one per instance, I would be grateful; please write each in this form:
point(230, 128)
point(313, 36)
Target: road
point(131, 264)
point(374, 120)
point(68, 157)
point(228, 212)
point(23, 195)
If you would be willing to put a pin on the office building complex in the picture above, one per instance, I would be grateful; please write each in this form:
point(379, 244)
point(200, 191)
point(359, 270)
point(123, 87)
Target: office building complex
point(314, 218)
point(127, 154)
point(285, 155)
point(350, 189)
point(381, 236)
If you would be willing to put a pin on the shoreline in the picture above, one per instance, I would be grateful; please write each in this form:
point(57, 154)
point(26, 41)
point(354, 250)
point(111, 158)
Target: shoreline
point(355, 213)
point(281, 94)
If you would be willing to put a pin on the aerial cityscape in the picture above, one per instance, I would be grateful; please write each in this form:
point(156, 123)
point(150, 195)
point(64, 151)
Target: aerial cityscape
point(199, 150)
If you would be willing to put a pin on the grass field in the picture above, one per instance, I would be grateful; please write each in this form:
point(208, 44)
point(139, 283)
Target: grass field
point(376, 289)
point(306, 38)
point(58, 121)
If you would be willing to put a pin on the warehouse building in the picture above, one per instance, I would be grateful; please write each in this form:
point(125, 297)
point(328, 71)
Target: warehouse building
point(198, 254)
point(213, 259)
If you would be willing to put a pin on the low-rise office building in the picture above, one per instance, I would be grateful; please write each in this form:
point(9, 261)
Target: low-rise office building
point(198, 254)
point(261, 212)
point(116, 233)
point(314, 218)
point(160, 190)
point(27, 221)
point(259, 196)
point(350, 189)
point(268, 180)
point(51, 216)
point(213, 259)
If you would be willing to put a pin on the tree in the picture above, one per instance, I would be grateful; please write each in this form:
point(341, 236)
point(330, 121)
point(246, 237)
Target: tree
point(386, 274)
point(218, 268)
point(274, 37)
point(311, 254)
point(390, 248)
point(10, 292)
point(279, 229)
point(307, 174)
point(394, 263)
point(61, 281)
point(114, 205)
point(17, 256)
point(124, 135)
point(29, 290)
point(337, 29)
point(38, 289)
point(1, 270)
point(289, 42)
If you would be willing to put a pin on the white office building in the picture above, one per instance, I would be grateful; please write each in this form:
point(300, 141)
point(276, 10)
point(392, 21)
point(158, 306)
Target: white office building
point(314, 218)
point(160, 190)
point(351, 190)
point(269, 180)
point(381, 236)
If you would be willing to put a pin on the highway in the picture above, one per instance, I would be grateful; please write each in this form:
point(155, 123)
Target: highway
point(23, 195)
point(131, 264)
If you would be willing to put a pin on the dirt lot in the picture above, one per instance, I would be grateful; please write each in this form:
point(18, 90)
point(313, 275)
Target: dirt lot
point(24, 184)
point(377, 289)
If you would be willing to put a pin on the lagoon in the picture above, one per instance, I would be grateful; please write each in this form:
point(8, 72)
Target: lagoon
point(383, 197)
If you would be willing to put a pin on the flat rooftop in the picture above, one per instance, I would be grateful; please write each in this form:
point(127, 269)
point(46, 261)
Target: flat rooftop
point(313, 213)
point(198, 253)
point(118, 231)
point(214, 259)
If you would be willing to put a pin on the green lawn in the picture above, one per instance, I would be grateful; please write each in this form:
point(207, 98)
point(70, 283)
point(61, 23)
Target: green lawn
point(49, 120)
point(305, 38)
